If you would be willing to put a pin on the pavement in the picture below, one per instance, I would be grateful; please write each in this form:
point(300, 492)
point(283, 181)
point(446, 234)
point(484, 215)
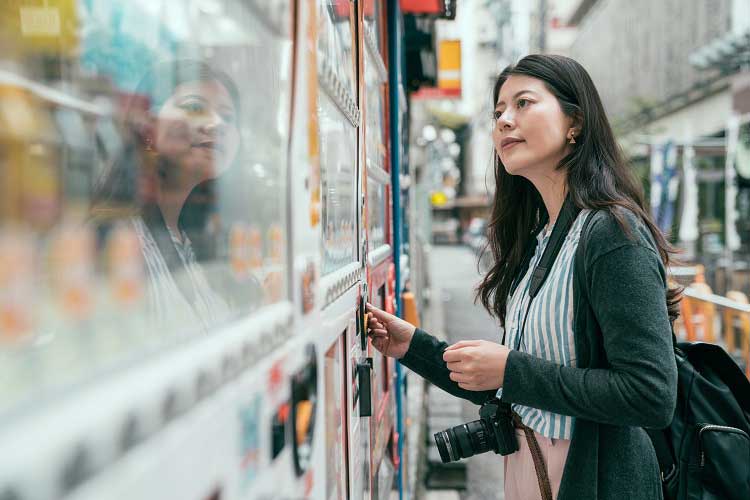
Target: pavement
point(454, 279)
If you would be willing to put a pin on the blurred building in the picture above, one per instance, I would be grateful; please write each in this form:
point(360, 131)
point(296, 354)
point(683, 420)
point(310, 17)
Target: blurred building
point(673, 76)
point(553, 29)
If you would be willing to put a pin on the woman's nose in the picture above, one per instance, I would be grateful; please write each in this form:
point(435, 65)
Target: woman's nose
point(506, 121)
point(214, 123)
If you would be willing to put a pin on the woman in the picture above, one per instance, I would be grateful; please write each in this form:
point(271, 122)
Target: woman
point(186, 138)
point(586, 362)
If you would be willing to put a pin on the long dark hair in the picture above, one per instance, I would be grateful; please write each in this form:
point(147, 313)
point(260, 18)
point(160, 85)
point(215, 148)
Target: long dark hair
point(598, 177)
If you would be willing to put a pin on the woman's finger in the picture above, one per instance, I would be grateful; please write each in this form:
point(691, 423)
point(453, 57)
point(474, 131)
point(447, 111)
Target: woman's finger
point(379, 333)
point(379, 313)
point(375, 324)
point(462, 343)
point(460, 377)
point(454, 366)
point(380, 344)
point(371, 318)
point(469, 387)
point(450, 356)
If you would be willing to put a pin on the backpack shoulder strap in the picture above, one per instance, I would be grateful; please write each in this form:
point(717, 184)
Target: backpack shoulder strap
point(664, 454)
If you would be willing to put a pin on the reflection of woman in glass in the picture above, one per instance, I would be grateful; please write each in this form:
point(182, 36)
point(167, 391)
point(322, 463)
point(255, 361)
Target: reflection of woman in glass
point(188, 137)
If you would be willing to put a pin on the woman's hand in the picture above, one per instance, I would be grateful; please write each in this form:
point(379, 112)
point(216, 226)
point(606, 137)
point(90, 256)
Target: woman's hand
point(390, 335)
point(477, 365)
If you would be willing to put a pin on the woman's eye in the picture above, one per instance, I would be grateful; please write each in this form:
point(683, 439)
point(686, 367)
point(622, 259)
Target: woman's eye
point(521, 103)
point(193, 107)
point(497, 114)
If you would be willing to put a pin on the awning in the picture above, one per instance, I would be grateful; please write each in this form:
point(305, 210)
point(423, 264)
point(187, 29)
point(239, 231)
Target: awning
point(444, 9)
point(728, 53)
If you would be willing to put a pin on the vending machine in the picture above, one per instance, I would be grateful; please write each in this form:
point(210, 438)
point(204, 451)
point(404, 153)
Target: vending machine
point(195, 207)
point(379, 249)
point(148, 345)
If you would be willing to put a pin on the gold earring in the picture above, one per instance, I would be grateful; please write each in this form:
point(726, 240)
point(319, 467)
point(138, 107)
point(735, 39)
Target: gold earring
point(572, 139)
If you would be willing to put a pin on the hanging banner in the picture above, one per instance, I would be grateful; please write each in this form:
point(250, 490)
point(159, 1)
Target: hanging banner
point(449, 65)
point(731, 238)
point(689, 218)
point(657, 167)
point(422, 6)
point(445, 9)
point(448, 73)
point(671, 184)
point(664, 184)
point(742, 160)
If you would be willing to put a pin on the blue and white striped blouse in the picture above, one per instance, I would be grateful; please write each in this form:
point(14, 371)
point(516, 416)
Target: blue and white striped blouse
point(549, 327)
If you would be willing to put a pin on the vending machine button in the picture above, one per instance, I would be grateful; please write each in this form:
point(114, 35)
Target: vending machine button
point(280, 334)
point(229, 367)
point(9, 494)
point(76, 470)
point(247, 354)
point(203, 385)
point(130, 434)
point(169, 407)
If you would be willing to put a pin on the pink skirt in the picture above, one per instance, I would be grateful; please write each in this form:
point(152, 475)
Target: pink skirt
point(520, 476)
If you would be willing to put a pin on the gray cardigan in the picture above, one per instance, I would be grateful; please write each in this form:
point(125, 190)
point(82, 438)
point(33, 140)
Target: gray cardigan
point(626, 376)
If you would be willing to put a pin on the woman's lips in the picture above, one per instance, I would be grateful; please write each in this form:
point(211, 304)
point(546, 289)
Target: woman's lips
point(209, 146)
point(511, 144)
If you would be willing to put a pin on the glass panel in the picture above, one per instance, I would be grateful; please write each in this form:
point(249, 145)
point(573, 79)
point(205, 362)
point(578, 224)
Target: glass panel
point(375, 119)
point(142, 178)
point(375, 153)
point(338, 153)
point(335, 40)
point(376, 214)
point(372, 14)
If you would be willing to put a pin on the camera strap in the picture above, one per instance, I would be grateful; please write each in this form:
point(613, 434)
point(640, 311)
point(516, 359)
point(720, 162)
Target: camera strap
point(568, 214)
point(542, 474)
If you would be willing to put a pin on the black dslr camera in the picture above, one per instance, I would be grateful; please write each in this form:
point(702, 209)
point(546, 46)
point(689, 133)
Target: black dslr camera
point(493, 431)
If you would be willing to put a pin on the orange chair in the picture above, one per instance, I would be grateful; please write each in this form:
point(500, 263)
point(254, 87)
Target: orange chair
point(734, 320)
point(699, 315)
point(410, 308)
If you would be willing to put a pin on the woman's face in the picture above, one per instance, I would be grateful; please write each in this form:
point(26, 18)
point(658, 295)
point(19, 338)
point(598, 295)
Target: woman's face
point(196, 129)
point(531, 131)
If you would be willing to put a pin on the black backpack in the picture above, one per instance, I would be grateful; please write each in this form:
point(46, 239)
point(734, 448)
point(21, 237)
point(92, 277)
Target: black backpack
point(705, 453)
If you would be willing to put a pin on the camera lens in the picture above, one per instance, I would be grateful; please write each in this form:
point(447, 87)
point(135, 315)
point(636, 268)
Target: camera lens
point(446, 446)
point(462, 441)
